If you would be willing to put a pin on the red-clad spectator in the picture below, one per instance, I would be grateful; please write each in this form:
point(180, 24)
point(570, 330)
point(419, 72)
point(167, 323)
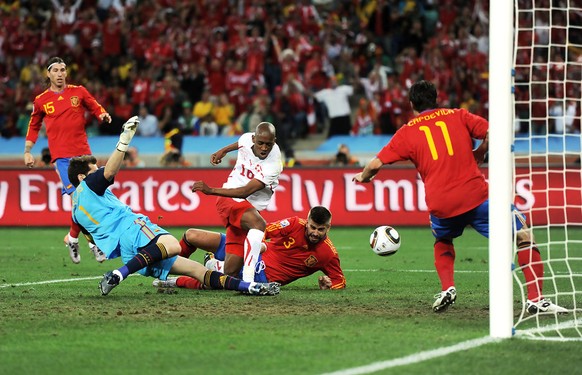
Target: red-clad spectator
point(447, 14)
point(410, 63)
point(111, 34)
point(22, 44)
point(141, 87)
point(214, 14)
point(199, 41)
point(219, 48)
point(138, 43)
point(314, 74)
point(255, 12)
point(87, 28)
point(122, 107)
point(475, 59)
point(396, 98)
point(163, 95)
point(239, 85)
point(256, 48)
point(160, 52)
point(216, 78)
point(310, 22)
point(288, 60)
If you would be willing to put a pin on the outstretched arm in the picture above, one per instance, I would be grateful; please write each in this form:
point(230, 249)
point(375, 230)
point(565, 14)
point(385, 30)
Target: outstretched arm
point(216, 158)
point(370, 170)
point(116, 159)
point(239, 192)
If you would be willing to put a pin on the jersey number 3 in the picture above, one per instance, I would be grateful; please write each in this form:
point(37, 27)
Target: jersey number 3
point(430, 139)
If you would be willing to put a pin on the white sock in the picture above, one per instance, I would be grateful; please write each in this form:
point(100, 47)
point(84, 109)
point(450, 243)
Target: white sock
point(73, 239)
point(116, 272)
point(252, 250)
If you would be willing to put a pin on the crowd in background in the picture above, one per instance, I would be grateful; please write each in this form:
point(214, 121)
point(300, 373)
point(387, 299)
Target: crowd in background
point(208, 67)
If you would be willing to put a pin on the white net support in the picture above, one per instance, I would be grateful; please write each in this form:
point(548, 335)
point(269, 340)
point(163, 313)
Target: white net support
point(547, 60)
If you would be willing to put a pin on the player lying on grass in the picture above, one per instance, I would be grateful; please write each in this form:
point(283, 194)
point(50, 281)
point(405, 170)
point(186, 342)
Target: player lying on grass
point(143, 246)
point(295, 248)
point(439, 142)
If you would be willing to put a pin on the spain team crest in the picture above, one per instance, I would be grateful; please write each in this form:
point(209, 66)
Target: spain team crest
point(310, 261)
point(75, 101)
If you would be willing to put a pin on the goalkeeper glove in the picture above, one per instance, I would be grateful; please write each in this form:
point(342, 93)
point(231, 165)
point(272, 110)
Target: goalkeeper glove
point(127, 134)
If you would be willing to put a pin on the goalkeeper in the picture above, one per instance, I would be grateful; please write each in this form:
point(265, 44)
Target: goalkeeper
point(439, 142)
point(143, 246)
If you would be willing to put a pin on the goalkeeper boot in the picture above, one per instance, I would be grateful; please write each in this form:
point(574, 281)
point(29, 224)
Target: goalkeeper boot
point(544, 306)
point(170, 282)
point(73, 249)
point(444, 299)
point(99, 256)
point(264, 289)
point(108, 282)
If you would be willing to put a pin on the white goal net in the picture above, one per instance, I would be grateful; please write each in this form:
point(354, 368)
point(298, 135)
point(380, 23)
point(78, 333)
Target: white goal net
point(547, 58)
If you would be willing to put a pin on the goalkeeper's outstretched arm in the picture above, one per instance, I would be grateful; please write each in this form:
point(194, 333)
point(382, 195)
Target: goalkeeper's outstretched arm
point(116, 159)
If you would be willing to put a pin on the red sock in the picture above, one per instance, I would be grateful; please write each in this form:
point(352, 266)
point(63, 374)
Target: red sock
point(530, 260)
point(186, 248)
point(444, 262)
point(74, 230)
point(188, 283)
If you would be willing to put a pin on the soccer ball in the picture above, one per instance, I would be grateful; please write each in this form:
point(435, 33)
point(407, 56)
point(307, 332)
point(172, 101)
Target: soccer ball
point(385, 240)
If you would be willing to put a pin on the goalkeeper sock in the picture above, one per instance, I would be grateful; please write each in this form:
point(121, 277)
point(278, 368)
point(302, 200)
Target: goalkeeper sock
point(217, 280)
point(148, 255)
point(444, 262)
point(188, 282)
point(186, 247)
point(530, 261)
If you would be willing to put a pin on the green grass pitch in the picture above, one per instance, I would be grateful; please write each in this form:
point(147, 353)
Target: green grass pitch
point(54, 321)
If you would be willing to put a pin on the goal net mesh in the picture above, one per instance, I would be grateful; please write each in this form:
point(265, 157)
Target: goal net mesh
point(547, 62)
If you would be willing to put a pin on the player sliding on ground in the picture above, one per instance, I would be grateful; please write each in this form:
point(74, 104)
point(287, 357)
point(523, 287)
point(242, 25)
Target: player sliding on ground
point(143, 246)
point(439, 142)
point(295, 248)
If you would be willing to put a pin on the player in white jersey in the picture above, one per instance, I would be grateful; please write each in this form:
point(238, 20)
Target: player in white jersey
point(247, 190)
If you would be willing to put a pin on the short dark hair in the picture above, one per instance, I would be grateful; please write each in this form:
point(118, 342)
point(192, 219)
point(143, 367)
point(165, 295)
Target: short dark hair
point(423, 95)
point(320, 215)
point(79, 165)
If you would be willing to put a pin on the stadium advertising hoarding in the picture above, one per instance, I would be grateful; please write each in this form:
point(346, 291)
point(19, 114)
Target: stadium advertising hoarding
point(31, 197)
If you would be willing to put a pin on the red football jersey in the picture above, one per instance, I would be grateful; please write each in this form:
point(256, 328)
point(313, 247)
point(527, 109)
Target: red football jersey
point(290, 255)
point(64, 117)
point(440, 144)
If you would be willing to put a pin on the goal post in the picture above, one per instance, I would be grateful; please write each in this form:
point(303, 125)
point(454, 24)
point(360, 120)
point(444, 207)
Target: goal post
point(500, 168)
point(535, 99)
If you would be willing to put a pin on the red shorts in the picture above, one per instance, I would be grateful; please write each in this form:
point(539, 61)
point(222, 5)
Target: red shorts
point(231, 211)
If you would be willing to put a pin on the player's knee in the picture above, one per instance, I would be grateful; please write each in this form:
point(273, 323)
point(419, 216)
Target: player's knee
point(171, 245)
point(192, 236)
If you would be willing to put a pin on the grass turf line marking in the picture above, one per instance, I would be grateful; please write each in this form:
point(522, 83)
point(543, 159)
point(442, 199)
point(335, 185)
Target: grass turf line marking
point(52, 281)
point(417, 357)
